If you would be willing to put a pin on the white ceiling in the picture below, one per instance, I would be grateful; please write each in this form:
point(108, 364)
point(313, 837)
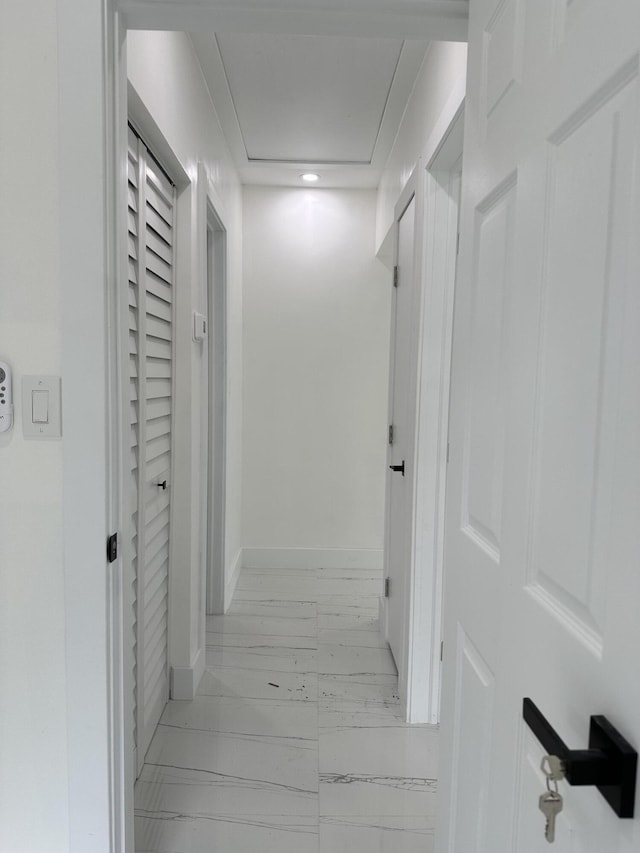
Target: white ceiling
point(293, 102)
point(306, 99)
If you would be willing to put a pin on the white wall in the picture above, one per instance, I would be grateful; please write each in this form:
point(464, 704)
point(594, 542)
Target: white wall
point(33, 731)
point(164, 72)
point(444, 68)
point(316, 339)
point(33, 737)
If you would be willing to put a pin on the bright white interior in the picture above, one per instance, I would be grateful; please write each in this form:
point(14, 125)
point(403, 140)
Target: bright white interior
point(323, 101)
point(33, 725)
point(316, 352)
point(163, 71)
point(53, 616)
point(304, 98)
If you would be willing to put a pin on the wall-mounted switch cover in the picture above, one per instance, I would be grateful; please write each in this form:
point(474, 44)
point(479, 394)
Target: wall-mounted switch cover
point(41, 407)
point(199, 327)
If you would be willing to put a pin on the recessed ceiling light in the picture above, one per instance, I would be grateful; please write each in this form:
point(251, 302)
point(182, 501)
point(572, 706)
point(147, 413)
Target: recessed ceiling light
point(311, 177)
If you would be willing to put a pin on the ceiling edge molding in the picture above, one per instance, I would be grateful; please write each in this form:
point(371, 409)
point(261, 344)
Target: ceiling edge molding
point(430, 20)
point(210, 60)
point(411, 59)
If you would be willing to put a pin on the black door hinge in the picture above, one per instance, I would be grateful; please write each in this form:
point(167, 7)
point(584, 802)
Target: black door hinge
point(390, 433)
point(387, 587)
point(395, 276)
point(112, 548)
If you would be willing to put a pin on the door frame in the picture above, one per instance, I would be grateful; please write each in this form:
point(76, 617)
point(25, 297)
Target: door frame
point(214, 275)
point(413, 191)
point(92, 110)
point(442, 200)
point(435, 252)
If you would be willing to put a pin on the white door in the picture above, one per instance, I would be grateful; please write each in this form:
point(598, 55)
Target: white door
point(151, 211)
point(542, 565)
point(400, 454)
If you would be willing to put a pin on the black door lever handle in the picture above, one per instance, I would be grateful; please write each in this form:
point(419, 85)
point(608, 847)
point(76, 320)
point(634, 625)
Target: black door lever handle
point(610, 762)
point(398, 468)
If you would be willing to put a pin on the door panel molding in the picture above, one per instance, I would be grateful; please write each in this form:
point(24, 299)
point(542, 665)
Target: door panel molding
point(553, 612)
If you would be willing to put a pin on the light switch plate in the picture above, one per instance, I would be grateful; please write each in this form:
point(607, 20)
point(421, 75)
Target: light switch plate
point(199, 327)
point(38, 384)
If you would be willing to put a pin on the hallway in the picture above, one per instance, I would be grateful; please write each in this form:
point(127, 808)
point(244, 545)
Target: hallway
point(294, 743)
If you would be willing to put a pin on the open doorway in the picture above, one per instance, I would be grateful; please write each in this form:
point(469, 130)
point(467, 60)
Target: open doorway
point(211, 386)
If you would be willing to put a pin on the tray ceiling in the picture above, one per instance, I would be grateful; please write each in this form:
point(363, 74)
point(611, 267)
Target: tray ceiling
point(302, 98)
point(288, 102)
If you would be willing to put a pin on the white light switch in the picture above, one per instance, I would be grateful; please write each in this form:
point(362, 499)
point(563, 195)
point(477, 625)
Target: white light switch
point(199, 327)
point(41, 407)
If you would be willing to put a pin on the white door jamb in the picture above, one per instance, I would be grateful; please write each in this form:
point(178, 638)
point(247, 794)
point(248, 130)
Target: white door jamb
point(436, 186)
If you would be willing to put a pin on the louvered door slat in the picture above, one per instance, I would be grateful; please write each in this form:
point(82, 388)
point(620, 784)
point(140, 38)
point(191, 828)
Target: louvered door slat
point(150, 271)
point(158, 266)
point(153, 593)
point(159, 349)
point(158, 388)
point(156, 242)
point(132, 219)
point(158, 368)
point(158, 468)
point(158, 308)
point(157, 427)
point(159, 195)
point(159, 226)
point(159, 288)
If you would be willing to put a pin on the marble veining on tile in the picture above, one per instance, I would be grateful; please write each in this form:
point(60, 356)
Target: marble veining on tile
point(382, 834)
point(295, 742)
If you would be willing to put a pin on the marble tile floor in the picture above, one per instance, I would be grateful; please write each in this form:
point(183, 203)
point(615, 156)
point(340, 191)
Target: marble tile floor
point(294, 743)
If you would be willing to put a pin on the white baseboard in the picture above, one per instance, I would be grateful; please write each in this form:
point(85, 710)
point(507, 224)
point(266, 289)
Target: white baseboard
point(232, 580)
point(185, 680)
point(312, 558)
point(382, 617)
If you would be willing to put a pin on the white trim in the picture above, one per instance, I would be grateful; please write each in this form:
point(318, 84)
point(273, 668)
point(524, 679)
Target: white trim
point(148, 130)
point(122, 602)
point(383, 615)
point(232, 580)
point(185, 680)
point(412, 191)
point(419, 663)
point(100, 801)
point(207, 49)
point(446, 136)
point(91, 485)
point(312, 558)
point(432, 20)
point(212, 218)
point(432, 412)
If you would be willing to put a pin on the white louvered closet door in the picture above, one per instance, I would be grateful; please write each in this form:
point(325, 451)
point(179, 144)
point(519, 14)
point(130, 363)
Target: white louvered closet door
point(151, 279)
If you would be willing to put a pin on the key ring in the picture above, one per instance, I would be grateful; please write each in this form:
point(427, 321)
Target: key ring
point(553, 769)
point(549, 780)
